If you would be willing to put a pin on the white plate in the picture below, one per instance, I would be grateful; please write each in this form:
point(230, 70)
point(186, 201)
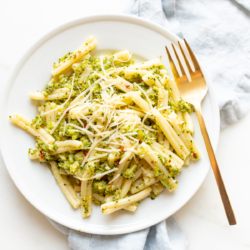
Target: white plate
point(35, 181)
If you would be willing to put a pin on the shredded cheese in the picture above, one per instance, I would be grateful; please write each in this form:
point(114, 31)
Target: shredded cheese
point(97, 176)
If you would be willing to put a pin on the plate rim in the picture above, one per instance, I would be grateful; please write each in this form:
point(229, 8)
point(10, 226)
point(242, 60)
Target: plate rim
point(43, 208)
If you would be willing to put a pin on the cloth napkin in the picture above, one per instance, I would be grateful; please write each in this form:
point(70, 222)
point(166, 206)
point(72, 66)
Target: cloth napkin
point(218, 33)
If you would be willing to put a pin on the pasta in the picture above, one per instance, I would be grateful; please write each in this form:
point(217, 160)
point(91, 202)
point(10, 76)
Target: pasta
point(113, 132)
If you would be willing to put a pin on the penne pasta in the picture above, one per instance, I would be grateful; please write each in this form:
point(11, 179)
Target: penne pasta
point(148, 64)
point(41, 97)
point(151, 80)
point(65, 186)
point(111, 207)
point(171, 135)
point(76, 56)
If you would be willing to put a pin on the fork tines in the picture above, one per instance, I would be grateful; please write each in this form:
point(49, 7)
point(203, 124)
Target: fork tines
point(192, 56)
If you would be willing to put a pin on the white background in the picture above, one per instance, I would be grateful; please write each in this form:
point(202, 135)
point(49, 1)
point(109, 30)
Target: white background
point(202, 218)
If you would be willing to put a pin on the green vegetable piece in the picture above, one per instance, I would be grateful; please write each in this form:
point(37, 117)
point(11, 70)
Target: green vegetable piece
point(90, 168)
point(48, 89)
point(85, 142)
point(130, 172)
point(38, 122)
point(152, 195)
point(117, 195)
point(102, 188)
point(52, 147)
point(74, 167)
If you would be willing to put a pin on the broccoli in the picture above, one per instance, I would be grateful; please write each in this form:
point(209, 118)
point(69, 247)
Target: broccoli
point(142, 150)
point(161, 176)
point(52, 147)
point(117, 195)
point(185, 107)
point(152, 195)
point(48, 89)
point(90, 168)
point(97, 90)
point(164, 179)
point(85, 142)
point(69, 131)
point(142, 136)
point(50, 125)
point(126, 129)
point(149, 122)
point(110, 189)
point(102, 188)
point(172, 104)
point(44, 151)
point(99, 187)
point(130, 172)
point(67, 162)
point(79, 159)
point(102, 167)
point(38, 122)
point(167, 163)
point(74, 167)
point(147, 139)
point(182, 106)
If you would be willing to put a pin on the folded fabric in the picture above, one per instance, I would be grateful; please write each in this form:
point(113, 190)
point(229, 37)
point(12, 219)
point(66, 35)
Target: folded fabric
point(166, 235)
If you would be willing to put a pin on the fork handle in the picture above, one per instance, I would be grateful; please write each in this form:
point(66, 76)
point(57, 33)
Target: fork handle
point(223, 193)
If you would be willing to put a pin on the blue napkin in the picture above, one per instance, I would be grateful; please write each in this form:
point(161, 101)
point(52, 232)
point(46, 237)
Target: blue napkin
point(223, 47)
point(166, 235)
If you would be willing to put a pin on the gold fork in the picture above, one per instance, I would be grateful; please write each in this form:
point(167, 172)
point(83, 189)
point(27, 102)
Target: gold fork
point(194, 92)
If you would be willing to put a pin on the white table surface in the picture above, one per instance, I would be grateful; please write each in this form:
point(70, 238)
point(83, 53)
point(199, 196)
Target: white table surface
point(202, 218)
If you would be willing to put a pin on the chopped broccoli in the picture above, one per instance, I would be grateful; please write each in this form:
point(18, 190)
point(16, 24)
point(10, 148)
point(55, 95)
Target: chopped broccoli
point(85, 142)
point(117, 195)
point(74, 167)
point(161, 176)
point(152, 195)
point(185, 107)
point(90, 168)
point(142, 150)
point(52, 147)
point(168, 164)
point(102, 188)
point(50, 125)
point(142, 136)
point(48, 89)
point(147, 139)
point(182, 106)
point(97, 90)
point(130, 172)
point(101, 167)
point(45, 153)
point(38, 122)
